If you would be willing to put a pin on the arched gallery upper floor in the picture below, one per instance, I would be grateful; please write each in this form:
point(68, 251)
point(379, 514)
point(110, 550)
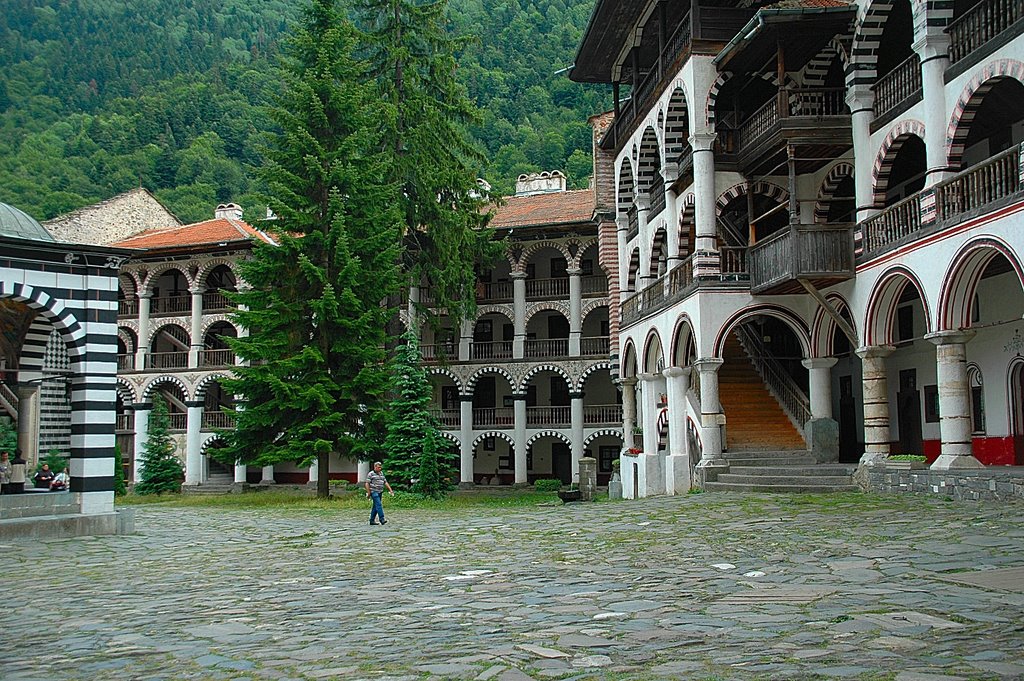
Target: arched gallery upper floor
point(891, 118)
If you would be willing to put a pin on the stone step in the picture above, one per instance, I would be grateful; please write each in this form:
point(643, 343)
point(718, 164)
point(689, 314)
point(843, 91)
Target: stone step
point(783, 480)
point(207, 489)
point(795, 486)
point(815, 469)
point(753, 463)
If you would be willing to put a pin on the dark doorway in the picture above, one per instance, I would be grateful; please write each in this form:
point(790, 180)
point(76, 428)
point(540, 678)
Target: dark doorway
point(850, 447)
point(561, 462)
point(1017, 402)
point(908, 409)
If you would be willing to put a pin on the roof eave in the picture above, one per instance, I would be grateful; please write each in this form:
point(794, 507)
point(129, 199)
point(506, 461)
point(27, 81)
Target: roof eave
point(763, 18)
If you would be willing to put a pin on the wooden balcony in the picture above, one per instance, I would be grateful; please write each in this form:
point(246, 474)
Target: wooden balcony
point(602, 414)
point(542, 417)
point(594, 285)
point(216, 420)
point(897, 91)
point(169, 305)
point(491, 350)
point(493, 417)
point(494, 291)
point(179, 421)
point(980, 26)
point(448, 418)
point(595, 345)
point(126, 362)
point(125, 423)
point(633, 217)
point(215, 301)
point(547, 347)
point(547, 289)
point(657, 196)
point(821, 254)
point(128, 307)
point(216, 358)
point(167, 360)
point(439, 352)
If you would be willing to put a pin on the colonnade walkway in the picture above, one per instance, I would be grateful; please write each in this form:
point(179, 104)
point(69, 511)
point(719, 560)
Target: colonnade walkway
point(741, 586)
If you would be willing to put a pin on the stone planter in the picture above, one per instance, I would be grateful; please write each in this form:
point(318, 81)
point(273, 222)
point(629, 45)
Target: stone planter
point(906, 465)
point(569, 495)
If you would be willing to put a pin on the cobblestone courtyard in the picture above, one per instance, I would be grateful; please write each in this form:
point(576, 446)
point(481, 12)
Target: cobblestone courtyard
point(698, 587)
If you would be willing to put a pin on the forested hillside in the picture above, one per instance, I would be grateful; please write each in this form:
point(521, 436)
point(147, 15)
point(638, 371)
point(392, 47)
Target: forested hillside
point(98, 96)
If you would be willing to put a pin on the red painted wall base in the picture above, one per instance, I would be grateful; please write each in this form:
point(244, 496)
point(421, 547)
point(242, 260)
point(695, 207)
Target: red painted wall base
point(991, 451)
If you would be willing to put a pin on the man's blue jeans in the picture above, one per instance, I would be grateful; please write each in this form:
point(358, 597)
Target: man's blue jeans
point(378, 508)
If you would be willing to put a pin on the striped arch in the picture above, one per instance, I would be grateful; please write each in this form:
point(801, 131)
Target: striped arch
point(450, 436)
point(159, 269)
point(634, 269)
point(591, 305)
point(866, 40)
point(51, 314)
point(200, 391)
point(816, 69)
point(501, 435)
point(594, 368)
point(443, 371)
point(657, 250)
point(208, 442)
point(891, 145)
point(548, 433)
point(677, 124)
point(128, 284)
point(683, 340)
point(653, 352)
point(129, 324)
point(880, 315)
point(835, 175)
point(611, 432)
point(135, 278)
point(536, 246)
point(956, 301)
point(129, 338)
point(970, 101)
point(554, 368)
point(783, 314)
point(723, 78)
point(583, 245)
point(147, 392)
point(625, 188)
point(687, 224)
point(127, 391)
point(560, 307)
point(629, 360)
point(207, 267)
point(503, 310)
point(501, 371)
point(213, 319)
point(768, 189)
point(648, 162)
point(167, 321)
point(823, 329)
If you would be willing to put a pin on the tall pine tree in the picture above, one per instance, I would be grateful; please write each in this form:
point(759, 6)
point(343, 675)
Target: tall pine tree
point(316, 378)
point(432, 157)
point(161, 468)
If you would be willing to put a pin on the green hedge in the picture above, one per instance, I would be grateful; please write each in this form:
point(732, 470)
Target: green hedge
point(547, 485)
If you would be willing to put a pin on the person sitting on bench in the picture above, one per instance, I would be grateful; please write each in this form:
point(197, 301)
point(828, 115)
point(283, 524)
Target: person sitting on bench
point(61, 482)
point(43, 478)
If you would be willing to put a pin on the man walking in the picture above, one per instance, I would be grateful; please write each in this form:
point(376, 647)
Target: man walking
point(375, 484)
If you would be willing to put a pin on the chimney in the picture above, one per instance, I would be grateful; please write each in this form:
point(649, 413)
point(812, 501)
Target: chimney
point(231, 211)
point(540, 183)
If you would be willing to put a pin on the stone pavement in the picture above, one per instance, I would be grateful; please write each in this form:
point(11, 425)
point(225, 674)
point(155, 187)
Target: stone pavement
point(698, 587)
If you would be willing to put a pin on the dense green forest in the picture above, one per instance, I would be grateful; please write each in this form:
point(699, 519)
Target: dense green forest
point(98, 96)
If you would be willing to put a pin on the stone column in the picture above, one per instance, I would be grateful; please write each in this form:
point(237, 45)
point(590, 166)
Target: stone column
point(711, 416)
point(628, 412)
point(645, 277)
point(519, 314)
point(267, 477)
point(649, 412)
point(621, 232)
point(465, 339)
point(143, 349)
point(705, 213)
point(670, 173)
point(876, 402)
point(822, 431)
point(466, 441)
point(860, 99)
point(196, 335)
point(519, 405)
point(677, 464)
point(933, 48)
point(28, 424)
point(576, 419)
point(240, 473)
point(142, 411)
point(413, 312)
point(575, 311)
point(193, 426)
point(588, 478)
point(954, 400)
point(314, 473)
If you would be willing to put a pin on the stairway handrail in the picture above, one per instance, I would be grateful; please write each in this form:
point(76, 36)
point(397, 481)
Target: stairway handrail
point(693, 416)
point(9, 400)
point(781, 385)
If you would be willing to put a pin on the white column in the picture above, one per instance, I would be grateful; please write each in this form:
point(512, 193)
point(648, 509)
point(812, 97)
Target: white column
point(142, 411)
point(933, 49)
point(876, 402)
point(649, 412)
point(643, 205)
point(628, 412)
point(519, 406)
point(672, 227)
point(193, 459)
point(575, 311)
point(621, 232)
point(860, 99)
point(267, 477)
point(466, 441)
point(819, 377)
point(705, 214)
point(465, 339)
point(314, 472)
point(240, 472)
point(143, 349)
point(414, 299)
point(28, 424)
point(677, 464)
point(954, 400)
point(196, 338)
point(710, 411)
point(576, 421)
point(519, 314)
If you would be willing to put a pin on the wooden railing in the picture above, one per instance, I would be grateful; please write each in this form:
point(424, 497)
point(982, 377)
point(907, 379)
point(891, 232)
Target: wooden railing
point(594, 345)
point(980, 24)
point(178, 421)
point(633, 217)
point(596, 414)
point(758, 123)
point(895, 222)
point(499, 290)
point(216, 419)
point(494, 416)
point(597, 283)
point(802, 103)
point(547, 347)
point(449, 418)
point(899, 85)
point(124, 422)
point(801, 251)
point(167, 360)
point(548, 416)
point(684, 159)
point(171, 304)
point(733, 260)
point(491, 350)
point(546, 289)
point(439, 352)
point(128, 307)
point(657, 196)
point(126, 362)
point(782, 386)
point(989, 181)
point(216, 358)
point(10, 399)
point(215, 300)
point(680, 277)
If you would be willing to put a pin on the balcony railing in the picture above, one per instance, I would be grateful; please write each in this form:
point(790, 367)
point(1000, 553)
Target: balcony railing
point(594, 345)
point(128, 307)
point(499, 290)
point(547, 347)
point(657, 194)
point(216, 358)
point(979, 185)
point(599, 414)
point(900, 85)
point(802, 251)
point(594, 284)
point(684, 159)
point(899, 220)
point(167, 360)
point(733, 260)
point(449, 418)
point(178, 421)
point(215, 301)
point(126, 362)
point(548, 416)
point(171, 304)
point(633, 217)
point(546, 289)
point(491, 350)
point(803, 104)
point(216, 420)
point(758, 123)
point(494, 417)
point(439, 352)
point(980, 24)
point(125, 422)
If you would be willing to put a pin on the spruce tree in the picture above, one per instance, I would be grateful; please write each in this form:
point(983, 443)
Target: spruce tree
point(431, 155)
point(316, 378)
point(161, 468)
point(120, 486)
point(414, 449)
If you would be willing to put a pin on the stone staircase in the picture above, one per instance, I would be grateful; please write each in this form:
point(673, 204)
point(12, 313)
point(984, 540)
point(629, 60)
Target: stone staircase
point(218, 483)
point(782, 471)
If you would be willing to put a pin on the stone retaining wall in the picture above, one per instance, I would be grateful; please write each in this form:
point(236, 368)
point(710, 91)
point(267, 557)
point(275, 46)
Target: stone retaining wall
point(987, 483)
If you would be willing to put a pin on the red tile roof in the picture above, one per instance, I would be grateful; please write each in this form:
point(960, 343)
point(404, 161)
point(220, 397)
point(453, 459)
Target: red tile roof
point(213, 231)
point(545, 209)
point(796, 4)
